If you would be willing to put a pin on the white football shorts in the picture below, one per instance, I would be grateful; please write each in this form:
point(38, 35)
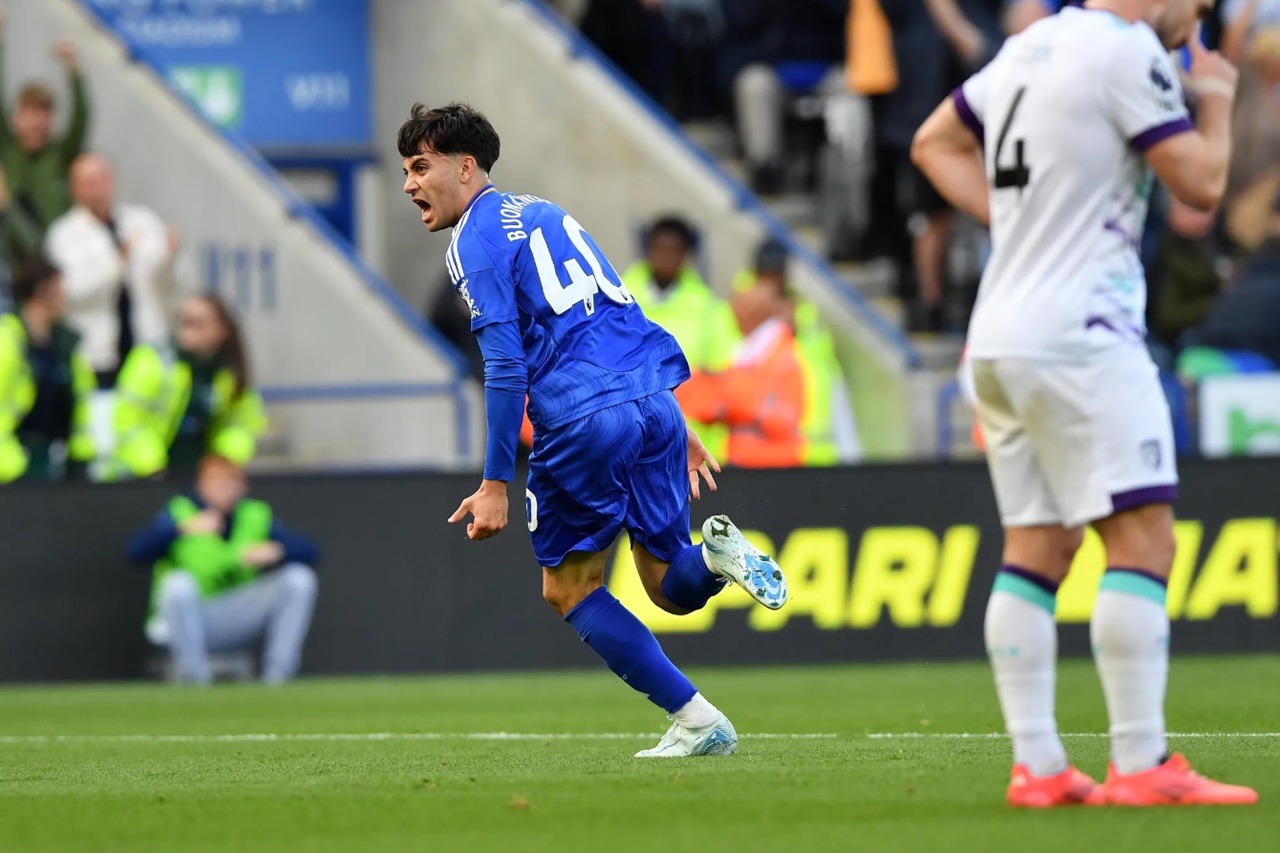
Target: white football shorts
point(1071, 443)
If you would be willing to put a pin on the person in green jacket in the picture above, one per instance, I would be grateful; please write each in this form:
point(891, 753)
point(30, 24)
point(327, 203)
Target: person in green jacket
point(36, 165)
point(224, 573)
point(672, 294)
point(20, 240)
point(45, 384)
point(177, 403)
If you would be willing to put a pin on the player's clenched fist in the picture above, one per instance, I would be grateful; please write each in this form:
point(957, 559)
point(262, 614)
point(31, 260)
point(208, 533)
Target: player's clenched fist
point(488, 509)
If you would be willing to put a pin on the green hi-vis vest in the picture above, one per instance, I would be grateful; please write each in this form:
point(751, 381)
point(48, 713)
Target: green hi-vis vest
point(701, 322)
point(18, 395)
point(213, 562)
point(151, 399)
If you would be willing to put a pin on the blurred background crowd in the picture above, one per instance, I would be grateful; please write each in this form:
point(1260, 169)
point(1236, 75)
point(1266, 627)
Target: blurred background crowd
point(114, 366)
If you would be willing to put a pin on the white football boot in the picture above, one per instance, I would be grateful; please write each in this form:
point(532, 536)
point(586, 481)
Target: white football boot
point(719, 738)
point(732, 556)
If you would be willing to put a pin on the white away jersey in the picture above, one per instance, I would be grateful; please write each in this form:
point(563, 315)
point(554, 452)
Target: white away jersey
point(1065, 111)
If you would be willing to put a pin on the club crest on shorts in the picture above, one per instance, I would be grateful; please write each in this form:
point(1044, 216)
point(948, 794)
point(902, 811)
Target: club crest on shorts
point(1150, 450)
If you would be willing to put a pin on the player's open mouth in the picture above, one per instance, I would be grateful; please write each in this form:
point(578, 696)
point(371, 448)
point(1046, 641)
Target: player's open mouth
point(424, 207)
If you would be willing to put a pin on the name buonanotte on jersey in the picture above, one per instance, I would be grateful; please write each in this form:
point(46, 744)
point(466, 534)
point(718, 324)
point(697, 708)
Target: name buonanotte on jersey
point(511, 216)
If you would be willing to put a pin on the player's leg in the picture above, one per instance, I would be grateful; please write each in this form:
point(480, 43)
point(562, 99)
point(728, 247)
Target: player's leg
point(679, 586)
point(679, 576)
point(579, 497)
point(1130, 625)
point(1019, 627)
point(576, 590)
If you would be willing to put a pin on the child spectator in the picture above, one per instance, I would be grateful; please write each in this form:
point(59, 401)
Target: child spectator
point(226, 572)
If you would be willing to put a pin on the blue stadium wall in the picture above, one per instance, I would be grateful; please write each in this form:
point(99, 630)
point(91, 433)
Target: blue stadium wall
point(886, 562)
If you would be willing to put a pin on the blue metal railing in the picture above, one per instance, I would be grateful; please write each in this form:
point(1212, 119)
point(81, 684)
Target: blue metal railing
point(747, 201)
point(300, 208)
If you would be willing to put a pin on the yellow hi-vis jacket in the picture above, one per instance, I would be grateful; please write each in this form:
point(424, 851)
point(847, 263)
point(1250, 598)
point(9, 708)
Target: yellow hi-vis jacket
point(18, 395)
point(152, 393)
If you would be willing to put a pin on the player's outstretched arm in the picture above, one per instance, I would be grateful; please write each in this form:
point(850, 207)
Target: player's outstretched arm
point(1193, 166)
point(950, 156)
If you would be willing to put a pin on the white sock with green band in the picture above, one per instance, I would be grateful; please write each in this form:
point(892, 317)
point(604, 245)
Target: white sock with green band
point(1022, 643)
point(1130, 635)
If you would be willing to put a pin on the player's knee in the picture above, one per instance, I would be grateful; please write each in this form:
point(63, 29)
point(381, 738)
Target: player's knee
point(564, 594)
point(1141, 539)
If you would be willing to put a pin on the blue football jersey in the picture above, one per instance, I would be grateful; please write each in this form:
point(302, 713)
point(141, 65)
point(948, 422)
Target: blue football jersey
point(587, 345)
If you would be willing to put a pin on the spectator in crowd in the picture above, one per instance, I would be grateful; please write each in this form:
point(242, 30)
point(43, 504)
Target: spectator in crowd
point(915, 224)
point(1242, 19)
point(35, 164)
point(178, 402)
point(226, 572)
point(1247, 316)
point(761, 397)
point(828, 427)
point(632, 33)
point(19, 240)
point(118, 263)
point(1186, 279)
point(672, 294)
point(971, 27)
point(45, 383)
point(775, 50)
point(1255, 128)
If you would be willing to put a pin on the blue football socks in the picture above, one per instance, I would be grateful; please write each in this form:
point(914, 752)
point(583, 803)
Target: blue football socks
point(629, 649)
point(688, 582)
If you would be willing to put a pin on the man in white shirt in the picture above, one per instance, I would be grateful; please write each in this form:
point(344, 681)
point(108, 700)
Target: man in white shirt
point(116, 262)
point(1054, 144)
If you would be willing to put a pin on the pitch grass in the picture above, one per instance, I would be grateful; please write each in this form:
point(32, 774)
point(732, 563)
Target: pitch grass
point(845, 793)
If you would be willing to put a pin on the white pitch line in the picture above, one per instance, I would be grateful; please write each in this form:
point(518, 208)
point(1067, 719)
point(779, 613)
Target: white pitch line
point(378, 736)
point(547, 736)
point(1003, 736)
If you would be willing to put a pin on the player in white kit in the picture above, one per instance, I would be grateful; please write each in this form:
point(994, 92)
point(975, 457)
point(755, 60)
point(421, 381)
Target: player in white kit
point(1053, 144)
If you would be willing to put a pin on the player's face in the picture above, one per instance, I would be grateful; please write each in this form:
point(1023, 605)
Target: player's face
point(434, 183)
point(1175, 20)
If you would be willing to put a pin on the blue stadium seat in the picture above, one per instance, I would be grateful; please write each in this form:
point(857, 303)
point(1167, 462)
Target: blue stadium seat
point(802, 78)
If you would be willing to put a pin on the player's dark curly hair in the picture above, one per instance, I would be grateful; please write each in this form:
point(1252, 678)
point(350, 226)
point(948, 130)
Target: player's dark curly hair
point(455, 129)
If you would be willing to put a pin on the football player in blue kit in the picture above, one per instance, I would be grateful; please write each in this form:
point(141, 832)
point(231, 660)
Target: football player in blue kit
point(612, 450)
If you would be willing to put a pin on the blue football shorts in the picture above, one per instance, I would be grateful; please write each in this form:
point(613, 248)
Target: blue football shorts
point(620, 467)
